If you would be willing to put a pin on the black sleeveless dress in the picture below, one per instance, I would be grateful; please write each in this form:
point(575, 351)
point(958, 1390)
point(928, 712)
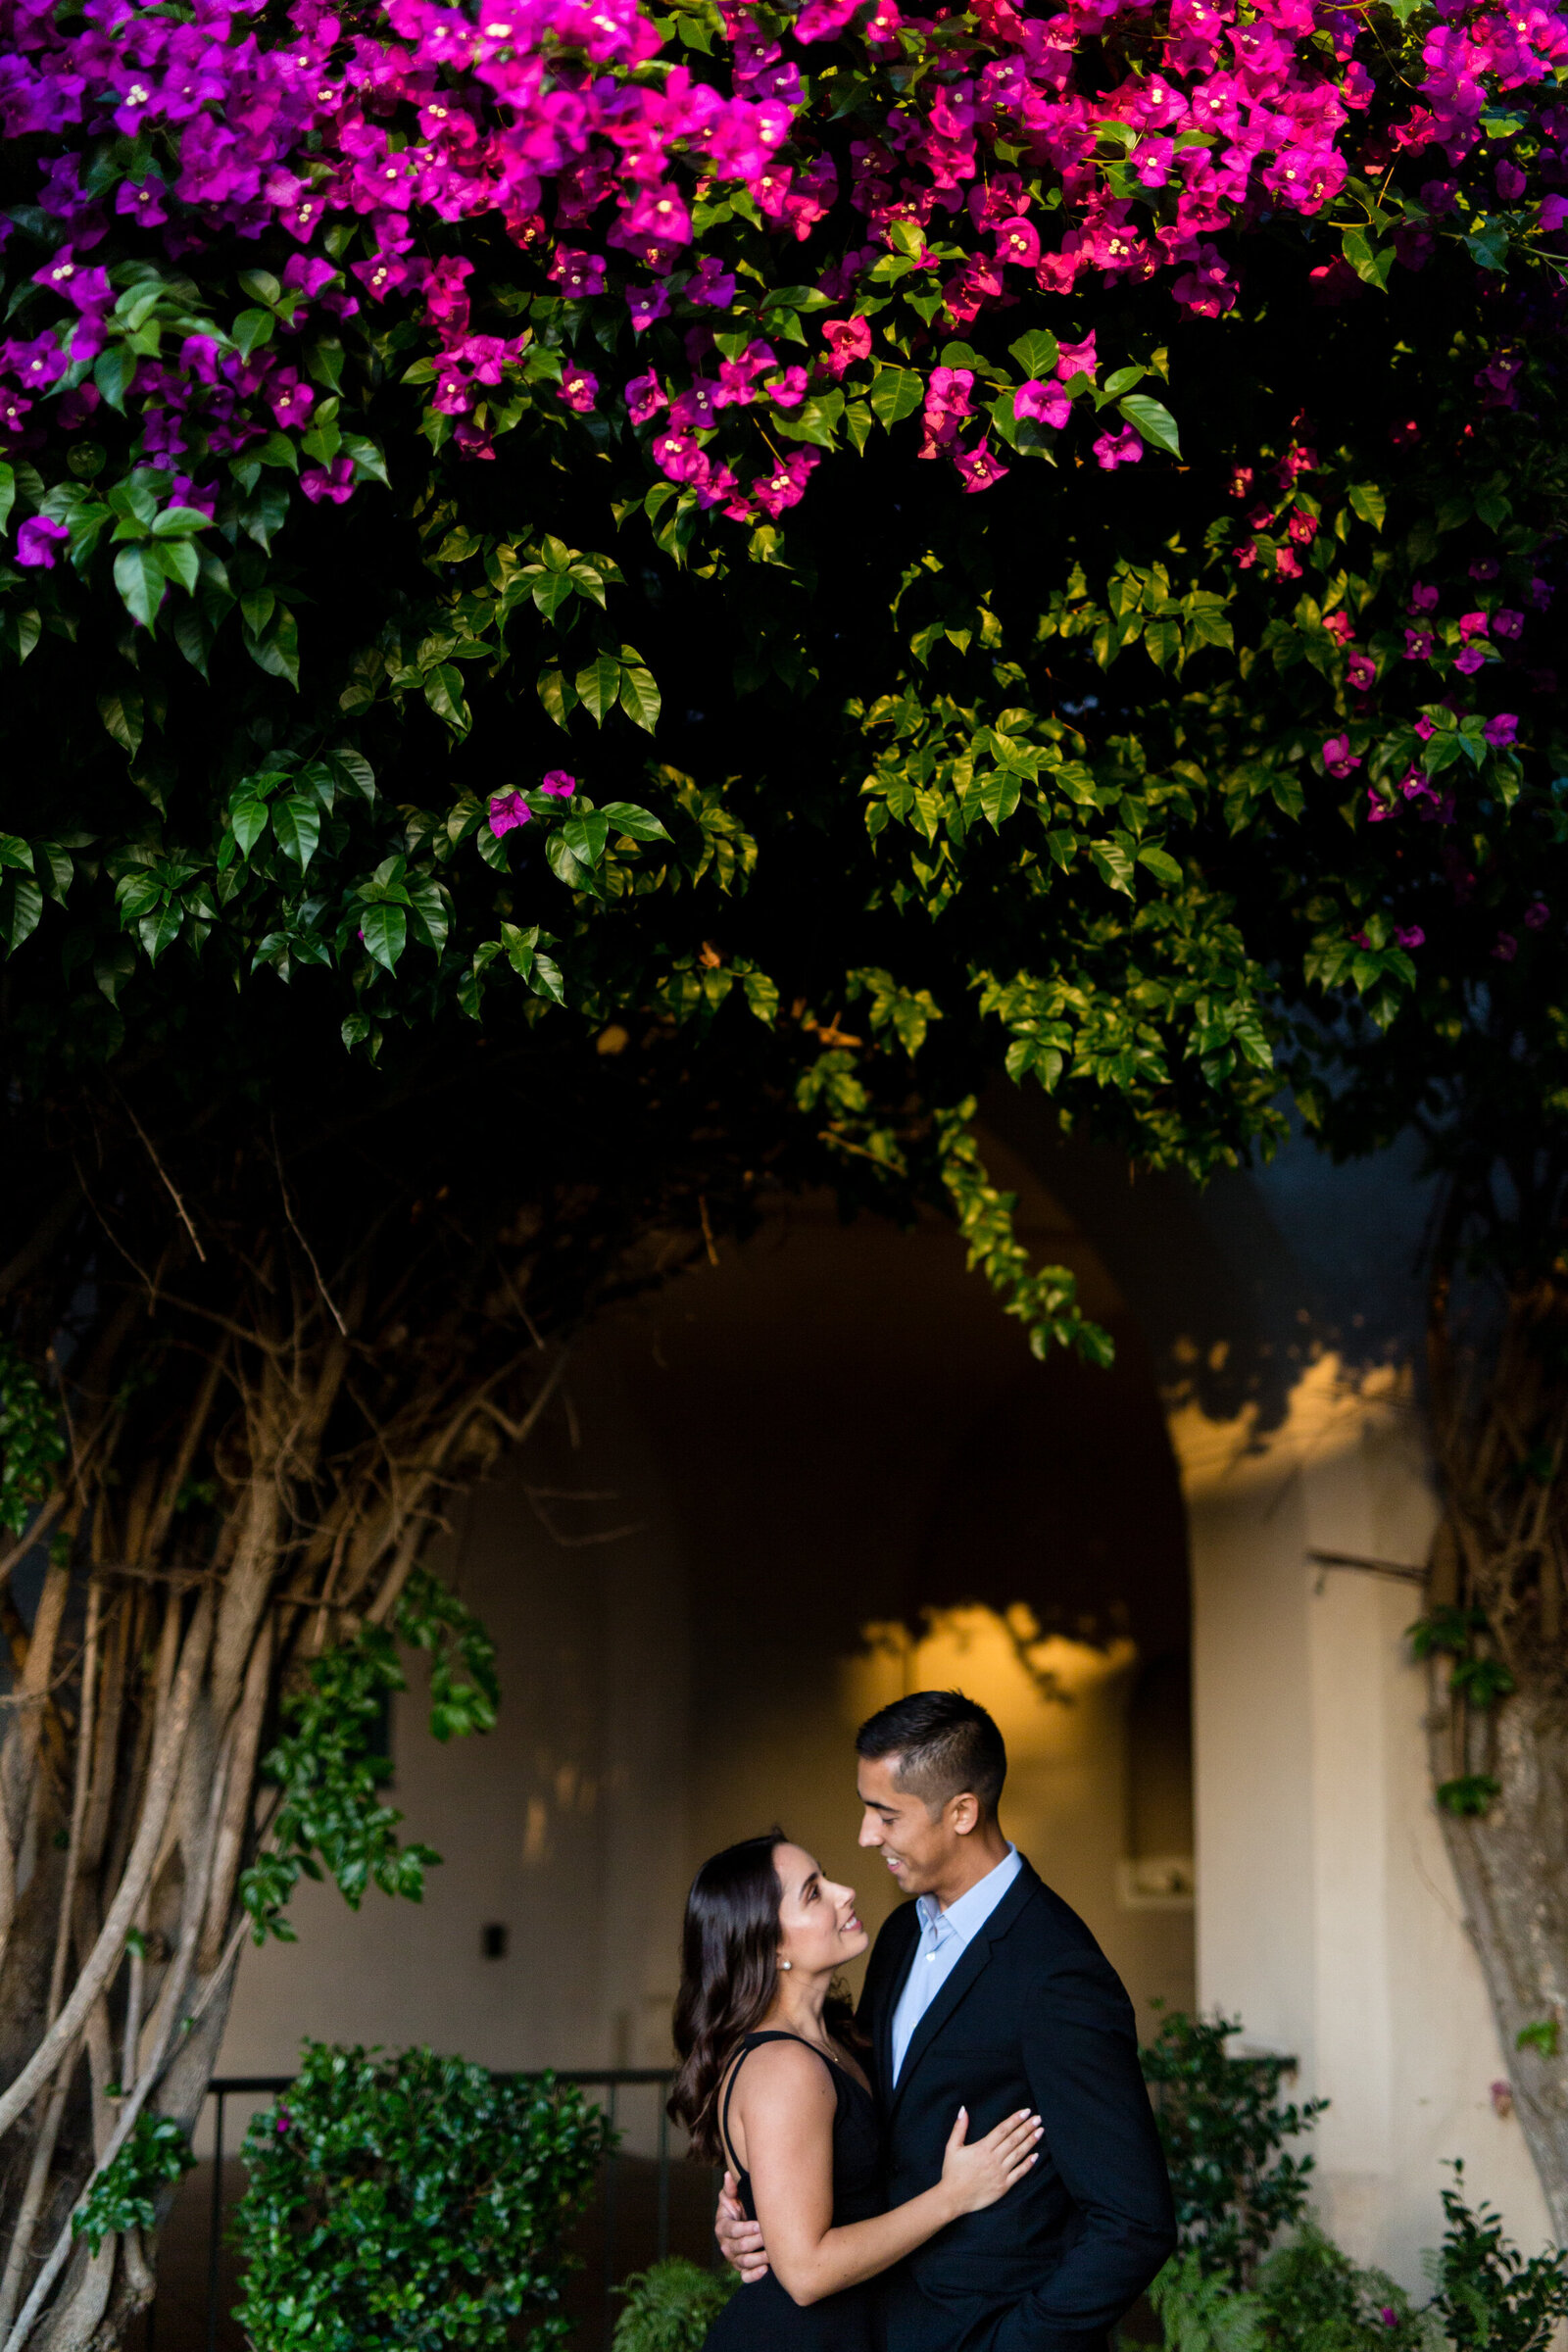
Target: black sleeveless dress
point(762, 2317)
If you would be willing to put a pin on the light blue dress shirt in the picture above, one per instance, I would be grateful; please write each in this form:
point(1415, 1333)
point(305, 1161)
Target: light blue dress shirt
point(945, 1937)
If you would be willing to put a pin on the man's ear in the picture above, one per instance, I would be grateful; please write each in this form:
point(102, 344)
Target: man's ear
point(964, 1813)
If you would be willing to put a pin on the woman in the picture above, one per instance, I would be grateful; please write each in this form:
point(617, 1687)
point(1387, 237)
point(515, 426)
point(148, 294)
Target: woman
point(770, 2085)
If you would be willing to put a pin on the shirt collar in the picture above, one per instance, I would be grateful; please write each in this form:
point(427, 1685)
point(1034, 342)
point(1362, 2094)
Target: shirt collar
point(972, 1909)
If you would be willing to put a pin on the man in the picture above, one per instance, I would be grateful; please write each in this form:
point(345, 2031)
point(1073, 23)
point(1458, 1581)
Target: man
point(987, 1993)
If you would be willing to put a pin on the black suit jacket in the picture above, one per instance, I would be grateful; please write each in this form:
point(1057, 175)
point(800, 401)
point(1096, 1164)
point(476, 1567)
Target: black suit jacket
point(1032, 2016)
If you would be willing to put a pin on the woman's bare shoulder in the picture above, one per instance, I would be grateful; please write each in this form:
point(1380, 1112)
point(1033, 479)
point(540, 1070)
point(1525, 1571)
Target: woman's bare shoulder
point(785, 2074)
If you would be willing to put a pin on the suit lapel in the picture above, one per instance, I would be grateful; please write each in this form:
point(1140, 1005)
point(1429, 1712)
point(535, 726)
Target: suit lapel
point(889, 2002)
point(969, 1968)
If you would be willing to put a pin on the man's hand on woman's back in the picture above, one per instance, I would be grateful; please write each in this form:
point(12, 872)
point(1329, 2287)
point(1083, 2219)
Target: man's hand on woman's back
point(739, 2240)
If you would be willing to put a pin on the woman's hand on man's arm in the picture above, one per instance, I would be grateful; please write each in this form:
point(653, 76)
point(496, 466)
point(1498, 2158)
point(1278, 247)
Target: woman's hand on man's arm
point(739, 2240)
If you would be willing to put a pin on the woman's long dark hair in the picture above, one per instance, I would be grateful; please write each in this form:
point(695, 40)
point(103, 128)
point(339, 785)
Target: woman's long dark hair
point(729, 1974)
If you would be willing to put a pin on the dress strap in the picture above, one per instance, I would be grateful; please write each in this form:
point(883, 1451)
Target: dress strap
point(751, 2042)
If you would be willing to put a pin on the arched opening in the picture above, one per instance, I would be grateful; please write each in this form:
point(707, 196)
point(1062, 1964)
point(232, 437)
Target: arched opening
point(778, 1492)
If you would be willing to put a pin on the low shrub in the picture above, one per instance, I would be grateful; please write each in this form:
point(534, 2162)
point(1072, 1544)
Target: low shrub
point(670, 2307)
point(413, 2201)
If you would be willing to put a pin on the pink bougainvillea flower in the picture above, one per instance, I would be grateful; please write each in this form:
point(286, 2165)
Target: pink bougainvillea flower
point(1125, 447)
point(1408, 934)
point(644, 399)
point(979, 468)
point(786, 485)
point(1378, 810)
point(508, 811)
point(1474, 625)
point(1363, 671)
point(1418, 644)
point(1338, 757)
point(788, 389)
point(847, 340)
point(1019, 240)
point(1077, 359)
point(579, 389)
point(38, 542)
point(1034, 403)
point(1339, 626)
point(558, 784)
point(1423, 598)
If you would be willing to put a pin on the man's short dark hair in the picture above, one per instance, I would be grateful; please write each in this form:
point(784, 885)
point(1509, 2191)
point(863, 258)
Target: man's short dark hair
point(945, 1744)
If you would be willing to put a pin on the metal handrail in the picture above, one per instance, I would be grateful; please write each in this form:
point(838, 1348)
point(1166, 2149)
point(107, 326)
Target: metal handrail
point(612, 2078)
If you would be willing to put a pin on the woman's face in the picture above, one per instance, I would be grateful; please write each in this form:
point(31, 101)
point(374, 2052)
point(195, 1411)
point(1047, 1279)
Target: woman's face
point(817, 1930)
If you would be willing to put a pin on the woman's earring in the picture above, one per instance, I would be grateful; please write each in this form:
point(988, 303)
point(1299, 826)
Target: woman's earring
point(786, 1964)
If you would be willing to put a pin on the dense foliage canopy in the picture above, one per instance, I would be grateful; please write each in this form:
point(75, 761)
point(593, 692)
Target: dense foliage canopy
point(470, 456)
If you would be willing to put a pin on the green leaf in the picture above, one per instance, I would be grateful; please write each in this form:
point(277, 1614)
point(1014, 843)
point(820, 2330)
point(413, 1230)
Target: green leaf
point(598, 686)
point(1162, 866)
point(181, 562)
point(8, 493)
point(585, 836)
point(297, 824)
point(566, 865)
point(122, 714)
point(249, 819)
point(1114, 861)
point(21, 909)
point(443, 691)
point(384, 928)
point(1000, 791)
point(1153, 419)
point(761, 995)
point(429, 905)
point(813, 420)
point(357, 768)
point(1368, 501)
point(625, 816)
point(896, 393)
point(640, 697)
point(142, 583)
point(1036, 354)
point(178, 522)
point(546, 980)
point(278, 652)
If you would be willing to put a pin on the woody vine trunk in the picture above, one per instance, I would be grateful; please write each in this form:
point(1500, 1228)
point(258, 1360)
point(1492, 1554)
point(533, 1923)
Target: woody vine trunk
point(276, 1352)
point(1493, 1632)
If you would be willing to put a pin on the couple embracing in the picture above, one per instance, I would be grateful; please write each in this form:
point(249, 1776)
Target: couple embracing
point(967, 2163)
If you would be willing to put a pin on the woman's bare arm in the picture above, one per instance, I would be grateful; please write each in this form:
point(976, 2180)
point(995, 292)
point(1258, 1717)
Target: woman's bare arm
point(782, 2115)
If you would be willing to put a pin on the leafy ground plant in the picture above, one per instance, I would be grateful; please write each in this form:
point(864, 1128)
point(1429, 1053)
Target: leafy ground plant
point(1487, 2296)
point(1224, 2133)
point(409, 2199)
point(671, 2306)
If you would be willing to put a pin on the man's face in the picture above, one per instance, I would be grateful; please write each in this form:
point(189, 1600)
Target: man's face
point(918, 1850)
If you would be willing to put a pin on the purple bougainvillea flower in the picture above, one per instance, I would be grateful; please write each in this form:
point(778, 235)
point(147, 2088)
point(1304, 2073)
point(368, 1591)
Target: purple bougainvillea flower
point(1501, 731)
point(1506, 949)
point(39, 541)
point(1363, 671)
point(142, 200)
point(1537, 914)
point(579, 389)
point(644, 398)
point(508, 811)
point(1469, 659)
point(1507, 623)
point(1406, 934)
point(1077, 359)
point(1423, 597)
point(647, 304)
point(1338, 757)
point(558, 784)
point(334, 482)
